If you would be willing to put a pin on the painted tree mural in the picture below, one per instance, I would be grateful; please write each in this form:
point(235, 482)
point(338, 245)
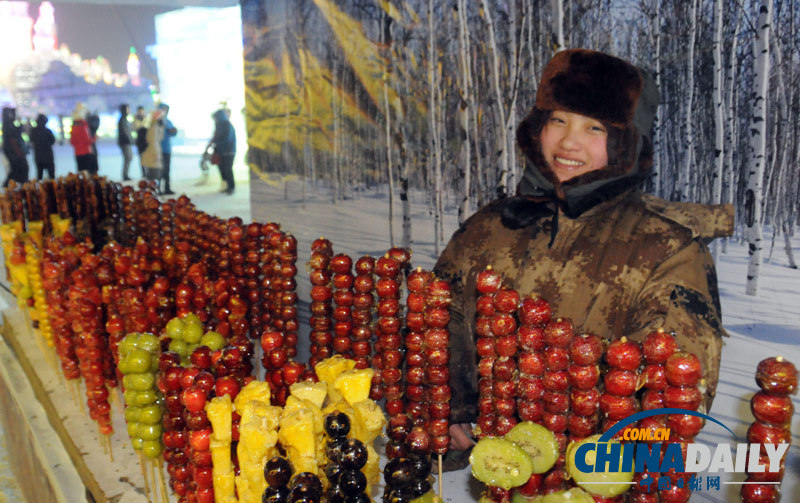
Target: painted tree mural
point(423, 97)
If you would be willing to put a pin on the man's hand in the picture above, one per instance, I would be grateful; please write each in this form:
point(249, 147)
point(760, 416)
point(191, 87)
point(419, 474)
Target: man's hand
point(461, 437)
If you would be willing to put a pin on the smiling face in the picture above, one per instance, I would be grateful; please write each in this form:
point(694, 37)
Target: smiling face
point(573, 144)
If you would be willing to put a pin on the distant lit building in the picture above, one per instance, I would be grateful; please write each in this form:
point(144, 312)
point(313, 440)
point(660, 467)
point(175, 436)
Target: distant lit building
point(38, 76)
point(15, 37)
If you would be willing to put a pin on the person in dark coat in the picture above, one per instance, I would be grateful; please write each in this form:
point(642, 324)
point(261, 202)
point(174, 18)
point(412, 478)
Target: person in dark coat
point(609, 259)
point(14, 148)
point(140, 127)
point(166, 150)
point(93, 122)
point(224, 143)
point(43, 140)
point(125, 139)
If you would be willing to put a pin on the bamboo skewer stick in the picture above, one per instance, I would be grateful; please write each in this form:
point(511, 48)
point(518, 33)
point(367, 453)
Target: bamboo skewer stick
point(80, 401)
point(40, 341)
point(61, 379)
point(52, 359)
point(119, 397)
point(110, 450)
point(144, 475)
point(150, 465)
point(71, 389)
point(101, 438)
point(164, 493)
point(440, 478)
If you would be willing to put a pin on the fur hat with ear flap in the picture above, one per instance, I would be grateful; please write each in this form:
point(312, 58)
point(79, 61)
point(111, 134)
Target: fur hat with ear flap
point(9, 114)
point(79, 112)
point(620, 95)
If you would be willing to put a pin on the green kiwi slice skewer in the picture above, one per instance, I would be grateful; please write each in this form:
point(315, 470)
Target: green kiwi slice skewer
point(499, 462)
point(539, 442)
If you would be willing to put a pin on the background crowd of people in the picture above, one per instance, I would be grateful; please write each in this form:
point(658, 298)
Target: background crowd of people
point(151, 133)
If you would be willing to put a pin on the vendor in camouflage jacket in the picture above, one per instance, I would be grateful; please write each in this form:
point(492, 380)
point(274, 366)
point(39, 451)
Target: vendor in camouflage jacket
point(581, 234)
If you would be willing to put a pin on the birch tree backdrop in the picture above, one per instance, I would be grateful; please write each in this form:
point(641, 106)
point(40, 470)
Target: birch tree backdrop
point(423, 97)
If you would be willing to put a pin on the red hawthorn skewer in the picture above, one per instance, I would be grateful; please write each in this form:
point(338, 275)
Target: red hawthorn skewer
point(263, 281)
point(57, 266)
point(389, 343)
point(534, 313)
point(321, 295)
point(389, 340)
point(496, 326)
point(403, 258)
point(341, 266)
point(197, 384)
point(684, 374)
point(487, 283)
point(175, 436)
point(234, 312)
point(558, 335)
point(416, 362)
point(584, 376)
point(503, 326)
point(253, 243)
point(5, 208)
point(657, 347)
point(363, 302)
point(237, 308)
point(273, 295)
point(618, 401)
point(106, 281)
point(85, 311)
point(437, 357)
point(267, 266)
point(773, 410)
point(288, 274)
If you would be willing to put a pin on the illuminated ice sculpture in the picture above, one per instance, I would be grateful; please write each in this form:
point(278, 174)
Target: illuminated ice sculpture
point(44, 29)
point(134, 66)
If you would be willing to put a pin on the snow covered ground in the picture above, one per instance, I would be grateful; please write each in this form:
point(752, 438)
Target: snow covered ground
point(761, 326)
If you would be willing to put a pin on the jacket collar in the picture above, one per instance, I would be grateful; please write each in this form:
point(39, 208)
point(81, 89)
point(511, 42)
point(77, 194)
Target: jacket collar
point(578, 196)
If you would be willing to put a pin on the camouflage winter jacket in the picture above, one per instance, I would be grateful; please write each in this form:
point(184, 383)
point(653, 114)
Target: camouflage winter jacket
point(625, 267)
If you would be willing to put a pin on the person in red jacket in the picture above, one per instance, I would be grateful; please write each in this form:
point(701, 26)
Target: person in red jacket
point(82, 141)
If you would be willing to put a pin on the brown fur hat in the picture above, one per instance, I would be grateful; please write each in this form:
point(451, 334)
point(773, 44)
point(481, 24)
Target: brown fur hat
point(592, 84)
point(605, 88)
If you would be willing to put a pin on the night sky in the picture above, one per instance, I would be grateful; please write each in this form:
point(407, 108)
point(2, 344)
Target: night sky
point(109, 31)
